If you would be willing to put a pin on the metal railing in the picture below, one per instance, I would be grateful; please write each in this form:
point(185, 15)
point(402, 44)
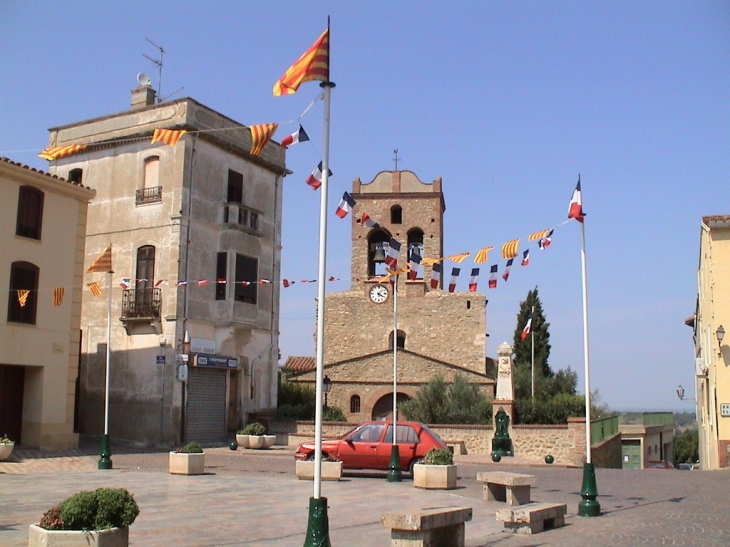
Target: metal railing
point(148, 195)
point(141, 303)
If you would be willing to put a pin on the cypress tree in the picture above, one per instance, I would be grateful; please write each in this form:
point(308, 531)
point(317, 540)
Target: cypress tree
point(538, 329)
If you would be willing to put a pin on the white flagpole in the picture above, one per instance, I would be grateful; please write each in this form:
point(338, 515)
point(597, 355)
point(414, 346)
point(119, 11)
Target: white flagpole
point(105, 461)
point(322, 272)
point(532, 338)
point(586, 353)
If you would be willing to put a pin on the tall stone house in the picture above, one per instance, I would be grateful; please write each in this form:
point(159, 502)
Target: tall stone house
point(42, 237)
point(194, 227)
point(437, 332)
point(712, 354)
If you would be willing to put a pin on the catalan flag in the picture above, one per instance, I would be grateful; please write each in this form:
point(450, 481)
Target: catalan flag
point(459, 258)
point(167, 136)
point(103, 263)
point(481, 256)
point(23, 297)
point(94, 288)
point(509, 249)
point(260, 135)
point(539, 235)
point(58, 296)
point(55, 152)
point(314, 64)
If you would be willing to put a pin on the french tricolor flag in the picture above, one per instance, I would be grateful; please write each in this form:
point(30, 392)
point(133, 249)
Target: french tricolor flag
point(391, 259)
point(507, 267)
point(315, 179)
point(454, 279)
point(544, 243)
point(367, 221)
point(435, 276)
point(526, 258)
point(526, 330)
point(298, 136)
point(125, 283)
point(473, 280)
point(345, 206)
point(287, 283)
point(575, 209)
point(493, 276)
point(415, 263)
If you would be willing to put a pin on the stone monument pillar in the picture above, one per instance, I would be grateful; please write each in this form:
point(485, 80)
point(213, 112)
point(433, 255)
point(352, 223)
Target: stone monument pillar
point(504, 401)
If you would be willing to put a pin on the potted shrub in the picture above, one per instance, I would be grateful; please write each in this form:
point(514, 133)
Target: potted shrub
point(6, 447)
point(331, 469)
point(254, 436)
point(188, 460)
point(437, 470)
point(100, 518)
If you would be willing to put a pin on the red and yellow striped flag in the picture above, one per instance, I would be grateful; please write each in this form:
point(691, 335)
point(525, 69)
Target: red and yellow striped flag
point(103, 263)
point(94, 288)
point(430, 261)
point(168, 136)
point(260, 135)
point(58, 296)
point(23, 297)
point(542, 234)
point(481, 256)
point(458, 258)
point(314, 64)
point(55, 152)
point(509, 249)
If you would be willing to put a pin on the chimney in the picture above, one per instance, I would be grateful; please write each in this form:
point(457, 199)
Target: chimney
point(143, 96)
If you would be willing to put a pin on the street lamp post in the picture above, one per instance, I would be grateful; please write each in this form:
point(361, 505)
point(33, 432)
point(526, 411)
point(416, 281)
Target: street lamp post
point(394, 470)
point(326, 387)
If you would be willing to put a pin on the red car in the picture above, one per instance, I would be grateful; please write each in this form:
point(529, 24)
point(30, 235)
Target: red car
point(369, 445)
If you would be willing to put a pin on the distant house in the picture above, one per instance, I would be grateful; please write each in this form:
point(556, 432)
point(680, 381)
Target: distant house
point(42, 237)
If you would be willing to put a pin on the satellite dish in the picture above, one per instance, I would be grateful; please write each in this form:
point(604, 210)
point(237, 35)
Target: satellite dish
point(143, 79)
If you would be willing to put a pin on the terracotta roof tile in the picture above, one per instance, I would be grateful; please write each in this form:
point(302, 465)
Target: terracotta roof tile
point(299, 364)
point(34, 170)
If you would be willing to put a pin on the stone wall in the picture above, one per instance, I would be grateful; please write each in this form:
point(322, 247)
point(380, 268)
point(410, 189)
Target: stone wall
point(566, 443)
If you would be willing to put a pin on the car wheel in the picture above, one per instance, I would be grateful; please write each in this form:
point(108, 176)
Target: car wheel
point(414, 462)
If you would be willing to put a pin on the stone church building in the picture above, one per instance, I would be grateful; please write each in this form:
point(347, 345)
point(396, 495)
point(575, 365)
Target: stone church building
point(437, 332)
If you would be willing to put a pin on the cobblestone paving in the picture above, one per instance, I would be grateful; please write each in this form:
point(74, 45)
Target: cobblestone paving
point(252, 498)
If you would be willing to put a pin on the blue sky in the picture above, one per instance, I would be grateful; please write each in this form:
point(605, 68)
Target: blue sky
point(506, 101)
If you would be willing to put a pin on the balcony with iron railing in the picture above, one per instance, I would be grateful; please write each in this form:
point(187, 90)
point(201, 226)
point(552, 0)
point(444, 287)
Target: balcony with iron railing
point(148, 195)
point(141, 304)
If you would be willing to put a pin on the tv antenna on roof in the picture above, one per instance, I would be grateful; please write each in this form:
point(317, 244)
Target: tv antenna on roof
point(158, 62)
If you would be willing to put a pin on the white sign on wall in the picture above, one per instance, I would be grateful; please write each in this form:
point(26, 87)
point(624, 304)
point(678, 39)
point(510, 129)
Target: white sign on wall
point(725, 409)
point(202, 345)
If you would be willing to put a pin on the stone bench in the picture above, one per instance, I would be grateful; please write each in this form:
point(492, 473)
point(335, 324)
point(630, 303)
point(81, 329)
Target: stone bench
point(457, 447)
point(533, 518)
point(511, 488)
point(442, 526)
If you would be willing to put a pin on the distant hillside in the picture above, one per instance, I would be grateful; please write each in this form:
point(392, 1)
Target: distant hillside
point(682, 420)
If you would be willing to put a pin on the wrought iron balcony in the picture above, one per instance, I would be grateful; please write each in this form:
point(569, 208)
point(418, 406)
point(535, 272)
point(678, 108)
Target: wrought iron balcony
point(148, 195)
point(141, 303)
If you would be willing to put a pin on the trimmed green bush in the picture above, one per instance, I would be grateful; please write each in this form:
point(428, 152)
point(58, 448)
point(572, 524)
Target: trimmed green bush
point(254, 428)
point(333, 414)
point(191, 448)
point(98, 510)
point(438, 456)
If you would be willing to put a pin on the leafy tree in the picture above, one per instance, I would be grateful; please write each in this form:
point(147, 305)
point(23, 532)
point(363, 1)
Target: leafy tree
point(687, 446)
point(295, 401)
point(440, 403)
point(538, 330)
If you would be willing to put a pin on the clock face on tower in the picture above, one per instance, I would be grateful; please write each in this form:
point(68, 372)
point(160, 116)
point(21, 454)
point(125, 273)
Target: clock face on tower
point(379, 293)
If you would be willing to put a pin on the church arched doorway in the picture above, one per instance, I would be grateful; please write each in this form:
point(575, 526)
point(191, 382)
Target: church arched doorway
point(383, 408)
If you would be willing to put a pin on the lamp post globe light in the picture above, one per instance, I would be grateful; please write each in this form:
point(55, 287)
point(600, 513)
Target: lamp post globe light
point(326, 387)
point(720, 333)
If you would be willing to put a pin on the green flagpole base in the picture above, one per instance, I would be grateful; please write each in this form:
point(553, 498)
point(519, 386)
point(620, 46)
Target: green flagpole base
point(318, 528)
point(105, 462)
point(589, 507)
point(394, 470)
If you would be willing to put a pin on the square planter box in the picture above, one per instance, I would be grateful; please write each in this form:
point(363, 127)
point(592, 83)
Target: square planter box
point(187, 464)
point(433, 477)
point(5, 450)
point(331, 471)
point(113, 537)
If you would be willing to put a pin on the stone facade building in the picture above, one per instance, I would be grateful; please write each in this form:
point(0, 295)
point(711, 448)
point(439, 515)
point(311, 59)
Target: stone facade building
point(194, 227)
point(42, 237)
point(438, 332)
point(712, 352)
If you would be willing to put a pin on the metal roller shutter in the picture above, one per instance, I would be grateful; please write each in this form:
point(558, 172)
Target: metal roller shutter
point(205, 420)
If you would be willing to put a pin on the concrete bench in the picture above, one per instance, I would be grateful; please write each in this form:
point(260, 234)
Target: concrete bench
point(457, 447)
point(533, 518)
point(512, 488)
point(442, 526)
